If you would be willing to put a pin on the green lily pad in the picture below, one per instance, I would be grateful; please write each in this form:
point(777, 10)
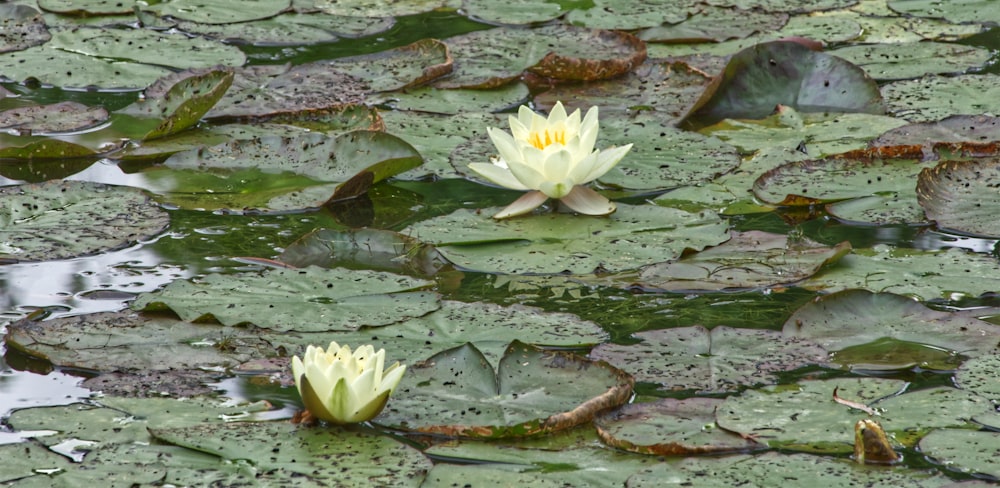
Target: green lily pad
point(147, 46)
point(366, 248)
point(86, 7)
point(458, 393)
point(291, 29)
point(282, 454)
point(56, 117)
point(21, 28)
point(719, 360)
point(281, 173)
point(490, 328)
point(978, 375)
point(960, 196)
point(716, 24)
point(127, 341)
point(784, 73)
point(855, 317)
point(928, 275)
point(516, 12)
point(884, 209)
point(436, 136)
point(933, 98)
point(24, 460)
point(495, 57)
point(59, 220)
point(180, 100)
point(804, 417)
point(151, 384)
point(913, 59)
point(748, 260)
point(838, 178)
point(557, 243)
point(396, 69)
point(77, 70)
point(631, 15)
point(221, 12)
point(266, 91)
point(968, 451)
point(975, 129)
point(784, 5)
point(958, 11)
point(306, 300)
point(670, 427)
point(380, 8)
point(456, 101)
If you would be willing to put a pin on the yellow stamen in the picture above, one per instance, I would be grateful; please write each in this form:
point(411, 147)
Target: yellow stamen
point(542, 139)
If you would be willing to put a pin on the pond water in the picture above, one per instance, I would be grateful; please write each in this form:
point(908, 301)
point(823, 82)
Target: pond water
point(198, 243)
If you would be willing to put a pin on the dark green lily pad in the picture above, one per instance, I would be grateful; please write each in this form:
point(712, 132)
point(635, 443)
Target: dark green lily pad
point(748, 260)
point(436, 136)
point(495, 57)
point(928, 275)
point(715, 24)
point(56, 117)
point(975, 129)
point(305, 300)
point(855, 317)
point(283, 454)
point(266, 91)
point(932, 98)
point(147, 46)
point(221, 12)
point(670, 427)
point(559, 243)
point(59, 220)
point(458, 393)
point(366, 248)
point(785, 73)
point(127, 341)
point(838, 178)
point(914, 59)
point(968, 451)
point(21, 27)
point(958, 11)
point(180, 100)
point(961, 196)
point(719, 360)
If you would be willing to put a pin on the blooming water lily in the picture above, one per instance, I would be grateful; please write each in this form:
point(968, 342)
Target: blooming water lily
point(345, 388)
point(553, 157)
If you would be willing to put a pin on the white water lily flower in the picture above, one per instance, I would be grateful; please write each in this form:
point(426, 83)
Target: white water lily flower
point(345, 388)
point(553, 158)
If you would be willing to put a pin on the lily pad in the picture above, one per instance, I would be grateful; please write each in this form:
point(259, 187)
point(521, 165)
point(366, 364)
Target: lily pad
point(961, 196)
point(978, 376)
point(968, 451)
point(455, 101)
point(516, 12)
point(368, 248)
point(933, 98)
point(21, 27)
point(558, 243)
point(913, 59)
point(716, 24)
point(147, 46)
point(77, 71)
point(974, 129)
point(631, 15)
point(56, 117)
point(784, 73)
point(458, 393)
point(396, 69)
point(855, 317)
point(281, 453)
point(436, 136)
point(719, 360)
point(670, 427)
point(928, 275)
point(958, 11)
point(379, 8)
point(291, 29)
point(221, 12)
point(748, 260)
point(59, 220)
point(180, 100)
point(306, 300)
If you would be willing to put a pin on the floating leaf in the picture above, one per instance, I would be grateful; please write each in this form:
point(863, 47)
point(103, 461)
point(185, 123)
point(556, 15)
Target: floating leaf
point(291, 29)
point(913, 59)
point(287, 455)
point(378, 8)
point(221, 12)
point(513, 12)
point(611, 14)
point(961, 195)
point(21, 27)
point(370, 248)
point(968, 451)
point(147, 46)
point(715, 24)
point(978, 375)
point(180, 100)
point(557, 243)
point(935, 97)
point(670, 427)
point(305, 300)
point(456, 101)
point(855, 317)
point(709, 361)
point(396, 69)
point(58, 220)
point(958, 11)
point(76, 70)
point(56, 117)
point(748, 260)
point(784, 73)
point(457, 393)
point(975, 129)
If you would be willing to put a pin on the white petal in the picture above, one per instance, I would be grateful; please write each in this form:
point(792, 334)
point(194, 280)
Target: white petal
point(526, 174)
point(528, 202)
point(297, 371)
point(557, 115)
point(525, 116)
point(588, 202)
point(392, 377)
point(557, 166)
point(557, 189)
point(505, 144)
point(498, 175)
point(578, 174)
point(606, 160)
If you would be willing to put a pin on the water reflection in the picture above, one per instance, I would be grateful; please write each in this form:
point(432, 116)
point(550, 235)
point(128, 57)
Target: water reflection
point(22, 389)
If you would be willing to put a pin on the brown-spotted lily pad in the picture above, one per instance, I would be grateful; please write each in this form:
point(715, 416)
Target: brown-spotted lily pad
point(716, 24)
point(532, 391)
point(957, 130)
point(748, 260)
point(670, 427)
point(56, 117)
point(962, 196)
point(368, 248)
point(719, 360)
point(178, 101)
point(784, 73)
point(396, 69)
point(21, 27)
point(62, 219)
